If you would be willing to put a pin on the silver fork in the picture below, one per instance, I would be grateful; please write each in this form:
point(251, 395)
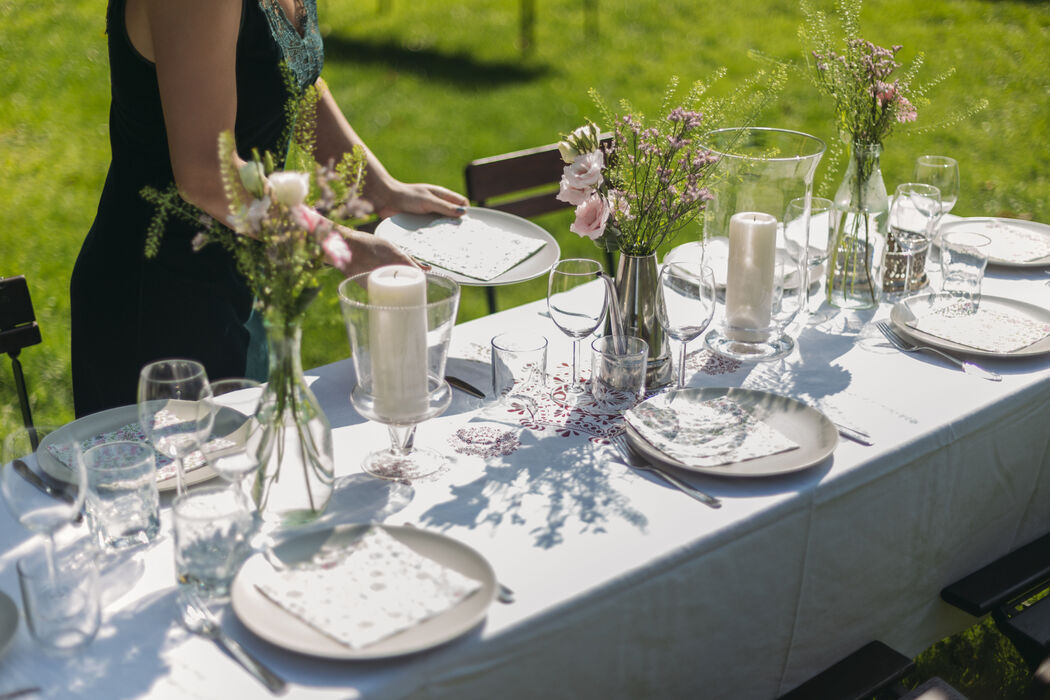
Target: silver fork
point(907, 346)
point(627, 457)
point(197, 618)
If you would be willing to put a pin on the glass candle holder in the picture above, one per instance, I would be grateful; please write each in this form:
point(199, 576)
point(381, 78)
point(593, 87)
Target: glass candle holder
point(399, 320)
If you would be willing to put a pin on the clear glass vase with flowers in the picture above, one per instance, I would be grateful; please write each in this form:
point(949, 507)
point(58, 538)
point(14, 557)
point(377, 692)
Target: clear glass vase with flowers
point(281, 233)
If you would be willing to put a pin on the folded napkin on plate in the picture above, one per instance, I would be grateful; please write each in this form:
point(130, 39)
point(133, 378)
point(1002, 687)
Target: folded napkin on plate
point(133, 432)
point(705, 433)
point(467, 246)
point(1015, 244)
point(363, 593)
point(991, 330)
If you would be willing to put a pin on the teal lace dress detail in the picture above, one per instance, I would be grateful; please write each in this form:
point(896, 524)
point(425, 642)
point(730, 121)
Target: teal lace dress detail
point(304, 54)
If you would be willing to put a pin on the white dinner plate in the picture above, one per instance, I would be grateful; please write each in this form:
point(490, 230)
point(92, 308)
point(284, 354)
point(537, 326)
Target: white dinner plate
point(8, 621)
point(815, 435)
point(278, 626)
point(716, 256)
point(914, 307)
point(534, 266)
point(104, 422)
point(989, 226)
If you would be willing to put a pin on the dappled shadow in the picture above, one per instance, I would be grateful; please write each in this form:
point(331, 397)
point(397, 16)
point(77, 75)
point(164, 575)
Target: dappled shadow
point(460, 67)
point(548, 491)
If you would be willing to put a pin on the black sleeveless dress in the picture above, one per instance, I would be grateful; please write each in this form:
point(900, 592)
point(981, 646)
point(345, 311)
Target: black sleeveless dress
point(127, 311)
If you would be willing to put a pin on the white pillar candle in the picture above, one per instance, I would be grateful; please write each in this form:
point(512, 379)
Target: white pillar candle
point(397, 338)
point(749, 278)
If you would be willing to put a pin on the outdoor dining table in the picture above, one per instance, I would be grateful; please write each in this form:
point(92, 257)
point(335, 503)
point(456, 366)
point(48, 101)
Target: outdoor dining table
point(625, 587)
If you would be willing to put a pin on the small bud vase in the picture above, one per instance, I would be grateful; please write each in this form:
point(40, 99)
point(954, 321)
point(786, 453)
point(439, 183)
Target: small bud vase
point(858, 240)
point(294, 481)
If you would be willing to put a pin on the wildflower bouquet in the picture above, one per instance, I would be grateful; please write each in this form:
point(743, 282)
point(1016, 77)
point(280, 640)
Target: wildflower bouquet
point(649, 180)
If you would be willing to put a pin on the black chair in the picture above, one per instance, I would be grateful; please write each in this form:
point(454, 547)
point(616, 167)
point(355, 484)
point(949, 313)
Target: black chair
point(524, 183)
point(1009, 589)
point(867, 672)
point(18, 329)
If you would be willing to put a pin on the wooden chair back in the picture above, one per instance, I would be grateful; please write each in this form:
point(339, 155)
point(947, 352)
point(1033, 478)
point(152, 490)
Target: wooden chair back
point(524, 183)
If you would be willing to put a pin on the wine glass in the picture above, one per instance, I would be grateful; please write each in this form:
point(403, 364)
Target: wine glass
point(175, 410)
point(48, 458)
point(913, 212)
point(232, 446)
point(577, 301)
point(943, 173)
point(685, 304)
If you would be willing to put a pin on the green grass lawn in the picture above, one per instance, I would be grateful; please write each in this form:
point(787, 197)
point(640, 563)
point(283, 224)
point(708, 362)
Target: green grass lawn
point(432, 84)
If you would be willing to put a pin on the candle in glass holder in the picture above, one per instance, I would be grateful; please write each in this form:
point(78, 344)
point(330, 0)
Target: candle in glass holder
point(398, 342)
point(749, 278)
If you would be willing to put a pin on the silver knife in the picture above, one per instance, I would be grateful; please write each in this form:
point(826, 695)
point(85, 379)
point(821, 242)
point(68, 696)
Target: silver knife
point(35, 479)
point(464, 386)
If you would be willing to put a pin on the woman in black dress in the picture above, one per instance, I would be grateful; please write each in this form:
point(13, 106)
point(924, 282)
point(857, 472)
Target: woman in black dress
point(181, 73)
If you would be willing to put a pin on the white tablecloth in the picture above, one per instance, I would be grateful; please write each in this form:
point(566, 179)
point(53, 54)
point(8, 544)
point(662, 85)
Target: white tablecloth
point(626, 587)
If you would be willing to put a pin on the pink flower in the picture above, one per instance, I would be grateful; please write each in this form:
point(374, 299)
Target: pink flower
point(591, 217)
point(306, 218)
point(585, 170)
point(337, 252)
point(573, 195)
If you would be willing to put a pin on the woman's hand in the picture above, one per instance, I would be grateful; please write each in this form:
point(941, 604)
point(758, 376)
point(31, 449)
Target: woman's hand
point(369, 252)
point(398, 197)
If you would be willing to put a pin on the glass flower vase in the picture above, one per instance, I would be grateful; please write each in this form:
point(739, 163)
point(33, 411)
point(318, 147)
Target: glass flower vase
point(858, 239)
point(295, 477)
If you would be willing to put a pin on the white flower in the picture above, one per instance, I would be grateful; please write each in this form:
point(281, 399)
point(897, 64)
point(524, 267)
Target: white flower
point(567, 150)
point(585, 171)
point(256, 213)
point(253, 177)
point(289, 188)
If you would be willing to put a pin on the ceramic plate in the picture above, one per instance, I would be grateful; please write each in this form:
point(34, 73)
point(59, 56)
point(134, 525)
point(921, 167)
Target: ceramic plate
point(815, 434)
point(910, 309)
point(716, 256)
point(8, 621)
point(277, 626)
point(104, 422)
point(993, 227)
point(534, 266)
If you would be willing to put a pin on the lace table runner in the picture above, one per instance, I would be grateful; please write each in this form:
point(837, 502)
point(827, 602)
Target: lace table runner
point(468, 246)
point(366, 592)
point(705, 433)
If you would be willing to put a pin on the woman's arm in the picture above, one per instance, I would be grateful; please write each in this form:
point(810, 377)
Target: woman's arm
point(386, 194)
point(193, 44)
point(194, 47)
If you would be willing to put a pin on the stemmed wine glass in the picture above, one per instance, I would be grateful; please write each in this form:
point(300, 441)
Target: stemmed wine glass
point(22, 475)
point(915, 208)
point(232, 446)
point(943, 173)
point(175, 409)
point(577, 300)
point(685, 304)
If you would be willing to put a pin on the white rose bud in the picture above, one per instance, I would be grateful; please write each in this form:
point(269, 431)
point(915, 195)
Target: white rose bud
point(289, 188)
point(567, 150)
point(253, 178)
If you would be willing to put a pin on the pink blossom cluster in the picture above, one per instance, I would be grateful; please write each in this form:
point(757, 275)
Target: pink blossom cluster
point(644, 187)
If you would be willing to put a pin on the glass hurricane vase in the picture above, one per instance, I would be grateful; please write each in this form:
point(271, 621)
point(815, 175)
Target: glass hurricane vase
point(858, 239)
point(399, 321)
point(295, 477)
